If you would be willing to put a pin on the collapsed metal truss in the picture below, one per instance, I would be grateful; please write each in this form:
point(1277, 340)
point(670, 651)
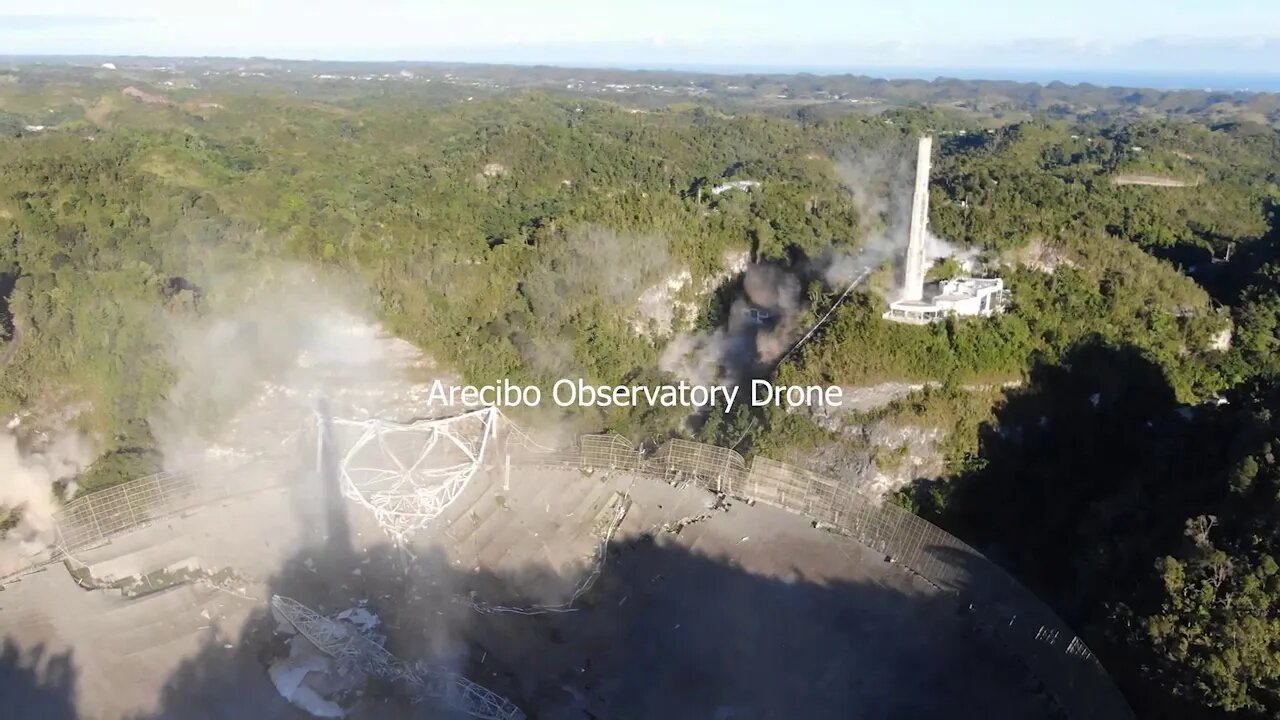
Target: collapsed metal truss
point(432, 683)
point(408, 474)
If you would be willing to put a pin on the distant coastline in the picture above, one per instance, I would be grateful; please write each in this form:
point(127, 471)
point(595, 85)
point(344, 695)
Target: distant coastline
point(1201, 81)
point(1222, 82)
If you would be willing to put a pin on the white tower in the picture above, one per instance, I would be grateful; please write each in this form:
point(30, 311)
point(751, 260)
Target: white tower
point(963, 296)
point(913, 277)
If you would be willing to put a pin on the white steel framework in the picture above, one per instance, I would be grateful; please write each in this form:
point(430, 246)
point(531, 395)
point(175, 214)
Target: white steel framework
point(407, 474)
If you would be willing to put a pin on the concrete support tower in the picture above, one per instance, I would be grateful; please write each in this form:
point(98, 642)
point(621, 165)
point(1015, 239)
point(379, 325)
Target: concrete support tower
point(913, 276)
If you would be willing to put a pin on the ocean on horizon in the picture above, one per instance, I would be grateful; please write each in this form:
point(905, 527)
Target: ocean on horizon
point(1219, 82)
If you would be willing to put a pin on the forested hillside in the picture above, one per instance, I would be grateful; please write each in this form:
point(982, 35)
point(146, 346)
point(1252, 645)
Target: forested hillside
point(1130, 479)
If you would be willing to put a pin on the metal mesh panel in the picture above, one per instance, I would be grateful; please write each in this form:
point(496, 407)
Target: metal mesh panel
point(798, 490)
point(93, 518)
point(608, 451)
point(716, 467)
point(521, 449)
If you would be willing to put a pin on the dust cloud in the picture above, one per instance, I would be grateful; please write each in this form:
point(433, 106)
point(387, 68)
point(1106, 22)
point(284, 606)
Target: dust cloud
point(590, 266)
point(592, 261)
point(764, 319)
point(762, 323)
point(266, 353)
point(880, 181)
point(28, 480)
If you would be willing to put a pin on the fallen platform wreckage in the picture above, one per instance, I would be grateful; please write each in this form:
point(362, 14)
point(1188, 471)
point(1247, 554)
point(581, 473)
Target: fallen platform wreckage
point(353, 650)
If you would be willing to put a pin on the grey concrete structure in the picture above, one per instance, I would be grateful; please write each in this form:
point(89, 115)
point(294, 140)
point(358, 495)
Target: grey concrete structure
point(740, 612)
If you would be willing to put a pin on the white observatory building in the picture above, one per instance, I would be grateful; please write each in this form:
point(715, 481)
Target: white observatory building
point(959, 296)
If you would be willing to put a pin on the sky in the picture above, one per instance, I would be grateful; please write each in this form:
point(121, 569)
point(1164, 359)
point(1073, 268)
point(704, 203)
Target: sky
point(1240, 37)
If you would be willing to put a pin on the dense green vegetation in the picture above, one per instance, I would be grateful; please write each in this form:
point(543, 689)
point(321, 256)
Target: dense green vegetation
point(1052, 180)
point(511, 235)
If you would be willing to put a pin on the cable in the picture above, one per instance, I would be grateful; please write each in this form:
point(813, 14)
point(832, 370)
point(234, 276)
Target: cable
point(856, 281)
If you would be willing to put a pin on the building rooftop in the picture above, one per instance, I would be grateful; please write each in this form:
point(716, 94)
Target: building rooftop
point(979, 297)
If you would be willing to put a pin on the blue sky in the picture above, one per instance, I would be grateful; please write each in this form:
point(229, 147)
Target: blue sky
point(1162, 36)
